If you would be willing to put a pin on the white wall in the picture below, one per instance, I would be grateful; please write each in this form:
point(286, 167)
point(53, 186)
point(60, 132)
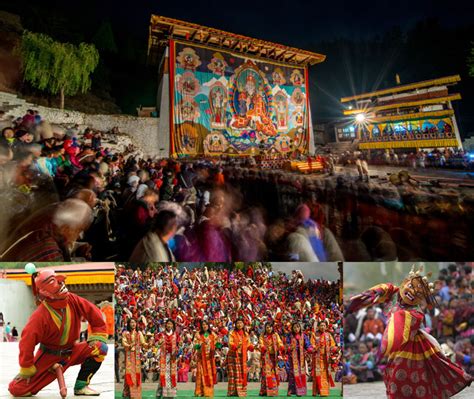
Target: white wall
point(16, 302)
point(143, 131)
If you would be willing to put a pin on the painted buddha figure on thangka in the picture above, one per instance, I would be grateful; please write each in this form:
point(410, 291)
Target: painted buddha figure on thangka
point(251, 104)
point(217, 64)
point(217, 105)
point(188, 59)
point(416, 366)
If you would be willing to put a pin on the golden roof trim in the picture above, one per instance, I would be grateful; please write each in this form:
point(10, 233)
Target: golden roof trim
point(410, 86)
point(451, 97)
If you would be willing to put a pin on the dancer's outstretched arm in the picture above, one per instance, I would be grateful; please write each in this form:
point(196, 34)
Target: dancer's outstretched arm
point(381, 293)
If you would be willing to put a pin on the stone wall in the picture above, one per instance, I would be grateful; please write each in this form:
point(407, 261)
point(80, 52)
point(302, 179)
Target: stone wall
point(143, 131)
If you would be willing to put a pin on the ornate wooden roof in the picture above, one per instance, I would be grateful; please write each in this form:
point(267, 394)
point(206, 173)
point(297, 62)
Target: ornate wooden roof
point(163, 28)
point(436, 100)
point(448, 80)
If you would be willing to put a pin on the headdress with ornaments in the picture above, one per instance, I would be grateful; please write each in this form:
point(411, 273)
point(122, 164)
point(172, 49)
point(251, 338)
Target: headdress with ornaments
point(427, 288)
point(251, 78)
point(218, 56)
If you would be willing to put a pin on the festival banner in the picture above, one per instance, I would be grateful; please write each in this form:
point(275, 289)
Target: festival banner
point(225, 103)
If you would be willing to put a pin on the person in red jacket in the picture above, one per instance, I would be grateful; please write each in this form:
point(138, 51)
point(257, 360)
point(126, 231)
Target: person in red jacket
point(55, 325)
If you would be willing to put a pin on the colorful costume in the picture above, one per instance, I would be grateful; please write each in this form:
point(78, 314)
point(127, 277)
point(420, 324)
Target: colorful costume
point(237, 370)
point(132, 342)
point(206, 376)
point(56, 326)
point(270, 345)
point(167, 383)
point(416, 366)
point(322, 342)
point(297, 344)
point(253, 108)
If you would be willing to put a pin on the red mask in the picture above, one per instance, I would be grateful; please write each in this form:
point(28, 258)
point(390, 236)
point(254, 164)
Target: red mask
point(50, 286)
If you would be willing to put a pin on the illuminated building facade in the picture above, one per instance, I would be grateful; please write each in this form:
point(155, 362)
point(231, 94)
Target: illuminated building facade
point(412, 116)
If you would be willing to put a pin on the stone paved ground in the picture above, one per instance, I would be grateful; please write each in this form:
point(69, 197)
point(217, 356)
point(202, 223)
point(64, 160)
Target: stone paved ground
point(101, 382)
point(377, 390)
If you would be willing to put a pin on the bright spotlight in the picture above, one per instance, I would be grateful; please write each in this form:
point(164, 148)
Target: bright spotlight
point(360, 118)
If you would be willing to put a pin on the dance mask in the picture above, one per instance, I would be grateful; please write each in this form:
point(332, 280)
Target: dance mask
point(416, 288)
point(47, 285)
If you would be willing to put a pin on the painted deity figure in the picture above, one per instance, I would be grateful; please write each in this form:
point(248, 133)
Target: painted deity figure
point(278, 78)
point(168, 347)
point(281, 112)
point(416, 367)
point(55, 326)
point(299, 118)
point(296, 78)
point(270, 345)
point(253, 103)
point(217, 64)
point(188, 61)
point(322, 343)
point(188, 111)
point(242, 100)
point(218, 106)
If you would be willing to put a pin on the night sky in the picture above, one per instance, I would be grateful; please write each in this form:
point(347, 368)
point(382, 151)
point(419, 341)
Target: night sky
point(294, 22)
point(342, 30)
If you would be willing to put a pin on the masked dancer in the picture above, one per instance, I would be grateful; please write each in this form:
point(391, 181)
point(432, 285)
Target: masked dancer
point(56, 325)
point(416, 366)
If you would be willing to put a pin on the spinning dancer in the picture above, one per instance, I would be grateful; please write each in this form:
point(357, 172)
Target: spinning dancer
point(205, 344)
point(237, 367)
point(270, 345)
point(322, 343)
point(416, 366)
point(56, 326)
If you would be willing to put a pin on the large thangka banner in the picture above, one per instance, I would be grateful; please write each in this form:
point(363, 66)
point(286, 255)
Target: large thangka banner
point(224, 103)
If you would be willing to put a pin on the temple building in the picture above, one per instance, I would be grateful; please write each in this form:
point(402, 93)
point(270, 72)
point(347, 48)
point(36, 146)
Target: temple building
point(93, 281)
point(225, 93)
point(411, 116)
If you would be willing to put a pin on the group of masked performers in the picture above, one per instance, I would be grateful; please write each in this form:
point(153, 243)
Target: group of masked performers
point(297, 347)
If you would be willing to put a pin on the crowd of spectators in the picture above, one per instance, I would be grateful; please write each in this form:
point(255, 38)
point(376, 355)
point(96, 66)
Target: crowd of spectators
point(151, 295)
point(436, 158)
point(71, 193)
point(451, 322)
point(74, 193)
point(7, 332)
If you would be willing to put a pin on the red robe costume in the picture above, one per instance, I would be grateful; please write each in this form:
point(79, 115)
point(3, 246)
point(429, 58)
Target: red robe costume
point(416, 366)
point(57, 330)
